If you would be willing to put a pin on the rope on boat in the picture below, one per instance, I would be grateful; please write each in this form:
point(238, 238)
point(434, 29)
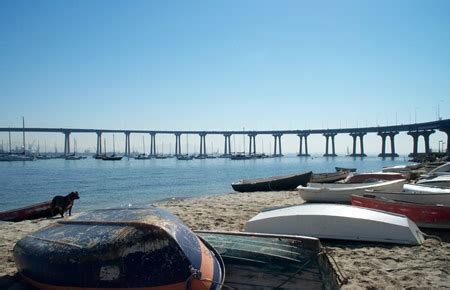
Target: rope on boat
point(341, 277)
point(296, 272)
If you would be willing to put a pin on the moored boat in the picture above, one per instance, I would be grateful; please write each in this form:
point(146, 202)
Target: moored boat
point(328, 177)
point(275, 183)
point(337, 221)
point(345, 169)
point(374, 176)
point(319, 192)
point(268, 261)
point(112, 157)
point(139, 248)
point(35, 211)
point(424, 215)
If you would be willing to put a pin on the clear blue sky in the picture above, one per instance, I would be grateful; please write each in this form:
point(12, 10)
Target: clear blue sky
point(223, 64)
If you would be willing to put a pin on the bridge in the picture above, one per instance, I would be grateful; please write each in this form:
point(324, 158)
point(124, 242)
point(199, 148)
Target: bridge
point(415, 130)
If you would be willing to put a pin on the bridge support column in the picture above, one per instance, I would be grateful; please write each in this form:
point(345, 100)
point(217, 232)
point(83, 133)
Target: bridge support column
point(415, 135)
point(300, 149)
point(99, 143)
point(252, 144)
point(333, 149)
point(66, 143)
point(392, 136)
point(202, 144)
point(446, 131)
point(355, 135)
point(177, 144)
point(277, 137)
point(227, 146)
point(127, 144)
point(153, 145)
point(426, 138)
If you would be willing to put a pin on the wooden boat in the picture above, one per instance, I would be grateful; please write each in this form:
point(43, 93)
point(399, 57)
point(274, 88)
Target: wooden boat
point(345, 169)
point(138, 248)
point(424, 215)
point(329, 177)
point(264, 261)
point(374, 176)
point(424, 188)
point(440, 180)
point(35, 211)
point(414, 197)
point(402, 168)
point(337, 221)
point(275, 183)
point(319, 192)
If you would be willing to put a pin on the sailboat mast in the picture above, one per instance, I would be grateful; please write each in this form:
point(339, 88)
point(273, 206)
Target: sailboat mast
point(9, 142)
point(23, 133)
point(187, 144)
point(143, 144)
point(114, 146)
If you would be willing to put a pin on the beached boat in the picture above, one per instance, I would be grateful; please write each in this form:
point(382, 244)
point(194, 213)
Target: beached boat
point(337, 221)
point(328, 177)
point(275, 183)
point(424, 188)
point(414, 197)
point(136, 248)
point(424, 215)
point(342, 192)
point(444, 169)
point(264, 261)
point(35, 211)
point(374, 176)
point(402, 168)
point(440, 180)
point(345, 169)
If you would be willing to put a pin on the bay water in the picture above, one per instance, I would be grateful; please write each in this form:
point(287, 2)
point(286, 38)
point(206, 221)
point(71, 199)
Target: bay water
point(105, 184)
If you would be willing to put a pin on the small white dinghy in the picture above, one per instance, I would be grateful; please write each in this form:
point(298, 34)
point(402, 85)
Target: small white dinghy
point(342, 192)
point(426, 188)
point(440, 180)
point(444, 169)
point(337, 221)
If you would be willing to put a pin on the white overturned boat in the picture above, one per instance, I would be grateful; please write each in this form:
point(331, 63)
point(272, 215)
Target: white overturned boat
point(425, 188)
point(440, 180)
point(336, 192)
point(444, 169)
point(337, 221)
point(402, 168)
point(411, 196)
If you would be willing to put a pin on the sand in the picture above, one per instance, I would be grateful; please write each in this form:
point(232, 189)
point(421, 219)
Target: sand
point(366, 265)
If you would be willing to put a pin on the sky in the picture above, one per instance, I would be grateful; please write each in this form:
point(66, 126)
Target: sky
point(223, 65)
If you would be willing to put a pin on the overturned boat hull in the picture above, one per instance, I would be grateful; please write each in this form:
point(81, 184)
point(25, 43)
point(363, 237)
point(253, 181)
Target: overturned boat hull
point(276, 183)
point(336, 221)
point(117, 249)
point(35, 211)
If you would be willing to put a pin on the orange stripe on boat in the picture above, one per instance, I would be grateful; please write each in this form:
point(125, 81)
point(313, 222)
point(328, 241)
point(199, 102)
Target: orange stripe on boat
point(176, 286)
point(206, 267)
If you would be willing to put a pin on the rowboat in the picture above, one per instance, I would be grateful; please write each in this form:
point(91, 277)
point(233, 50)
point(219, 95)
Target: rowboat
point(319, 192)
point(424, 188)
point(265, 261)
point(374, 176)
point(424, 215)
point(35, 211)
point(139, 248)
point(337, 221)
point(345, 169)
point(328, 177)
point(414, 197)
point(444, 169)
point(402, 168)
point(276, 183)
point(440, 180)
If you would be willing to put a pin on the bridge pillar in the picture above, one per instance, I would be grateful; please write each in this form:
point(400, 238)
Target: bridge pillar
point(392, 136)
point(127, 144)
point(415, 135)
point(99, 143)
point(383, 136)
point(355, 135)
point(202, 144)
point(426, 137)
point(177, 144)
point(153, 145)
point(252, 144)
point(227, 145)
point(277, 137)
point(446, 131)
point(300, 149)
point(66, 142)
point(333, 149)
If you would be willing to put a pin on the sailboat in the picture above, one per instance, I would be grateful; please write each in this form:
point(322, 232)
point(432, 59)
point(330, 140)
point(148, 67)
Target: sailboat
point(17, 157)
point(143, 155)
point(161, 156)
point(186, 156)
point(73, 156)
point(112, 157)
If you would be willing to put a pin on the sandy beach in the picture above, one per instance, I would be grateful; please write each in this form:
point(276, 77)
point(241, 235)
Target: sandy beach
point(366, 265)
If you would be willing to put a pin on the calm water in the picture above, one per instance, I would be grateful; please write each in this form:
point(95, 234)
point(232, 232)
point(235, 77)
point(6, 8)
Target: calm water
point(117, 183)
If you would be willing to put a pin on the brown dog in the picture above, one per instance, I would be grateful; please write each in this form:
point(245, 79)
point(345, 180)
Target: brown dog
point(63, 203)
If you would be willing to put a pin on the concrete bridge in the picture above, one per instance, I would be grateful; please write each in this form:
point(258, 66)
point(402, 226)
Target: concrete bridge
point(414, 130)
